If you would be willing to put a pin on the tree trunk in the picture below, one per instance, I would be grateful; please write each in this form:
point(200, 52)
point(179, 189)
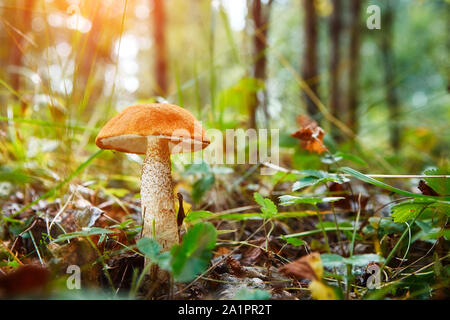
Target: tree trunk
point(389, 74)
point(310, 56)
point(21, 21)
point(335, 36)
point(260, 16)
point(85, 89)
point(354, 56)
point(160, 67)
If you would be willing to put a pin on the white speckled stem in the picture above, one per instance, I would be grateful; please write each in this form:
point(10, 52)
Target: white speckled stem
point(157, 199)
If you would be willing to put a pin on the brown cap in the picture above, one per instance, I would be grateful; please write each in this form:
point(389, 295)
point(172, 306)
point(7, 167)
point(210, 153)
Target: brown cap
point(128, 131)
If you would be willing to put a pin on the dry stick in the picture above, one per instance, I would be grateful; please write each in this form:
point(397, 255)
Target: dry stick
point(389, 176)
point(49, 229)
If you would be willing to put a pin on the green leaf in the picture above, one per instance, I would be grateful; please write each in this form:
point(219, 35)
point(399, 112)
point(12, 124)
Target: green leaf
point(197, 168)
point(440, 185)
point(405, 211)
point(287, 200)
point(149, 247)
point(201, 186)
point(362, 260)
point(380, 184)
point(294, 241)
point(193, 255)
point(314, 177)
point(408, 210)
point(268, 208)
point(331, 260)
point(15, 176)
point(86, 232)
point(335, 260)
point(197, 215)
point(252, 294)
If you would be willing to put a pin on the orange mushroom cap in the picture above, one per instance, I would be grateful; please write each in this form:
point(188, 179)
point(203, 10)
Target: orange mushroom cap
point(128, 131)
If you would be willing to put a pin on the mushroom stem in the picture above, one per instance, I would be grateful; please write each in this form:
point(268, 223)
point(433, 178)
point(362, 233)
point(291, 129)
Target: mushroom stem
point(157, 199)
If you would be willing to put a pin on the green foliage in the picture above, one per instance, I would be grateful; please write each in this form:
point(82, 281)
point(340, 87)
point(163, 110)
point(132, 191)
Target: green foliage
point(408, 210)
point(194, 254)
point(15, 176)
point(315, 177)
point(201, 186)
point(440, 185)
point(86, 232)
point(207, 178)
point(185, 261)
point(268, 208)
point(293, 241)
point(379, 184)
point(152, 250)
point(334, 260)
point(288, 200)
point(195, 216)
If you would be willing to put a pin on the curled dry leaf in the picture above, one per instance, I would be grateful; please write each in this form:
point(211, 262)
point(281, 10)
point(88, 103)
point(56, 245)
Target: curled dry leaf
point(310, 135)
point(426, 189)
point(308, 267)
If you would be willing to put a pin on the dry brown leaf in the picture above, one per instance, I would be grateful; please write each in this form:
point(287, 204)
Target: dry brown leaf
point(221, 251)
point(234, 266)
point(308, 267)
point(310, 135)
point(427, 190)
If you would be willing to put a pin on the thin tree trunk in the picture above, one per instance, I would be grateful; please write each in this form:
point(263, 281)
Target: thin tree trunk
point(260, 15)
point(22, 22)
point(335, 37)
point(354, 56)
point(389, 74)
point(159, 21)
point(83, 89)
point(310, 56)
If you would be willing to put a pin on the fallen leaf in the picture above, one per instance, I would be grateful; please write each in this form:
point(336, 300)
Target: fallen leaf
point(310, 135)
point(321, 291)
point(426, 189)
point(307, 267)
point(221, 251)
point(234, 266)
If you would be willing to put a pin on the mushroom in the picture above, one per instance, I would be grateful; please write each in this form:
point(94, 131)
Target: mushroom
point(156, 130)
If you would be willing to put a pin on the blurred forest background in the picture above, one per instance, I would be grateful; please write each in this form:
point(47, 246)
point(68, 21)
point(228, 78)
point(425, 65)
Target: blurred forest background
point(67, 66)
